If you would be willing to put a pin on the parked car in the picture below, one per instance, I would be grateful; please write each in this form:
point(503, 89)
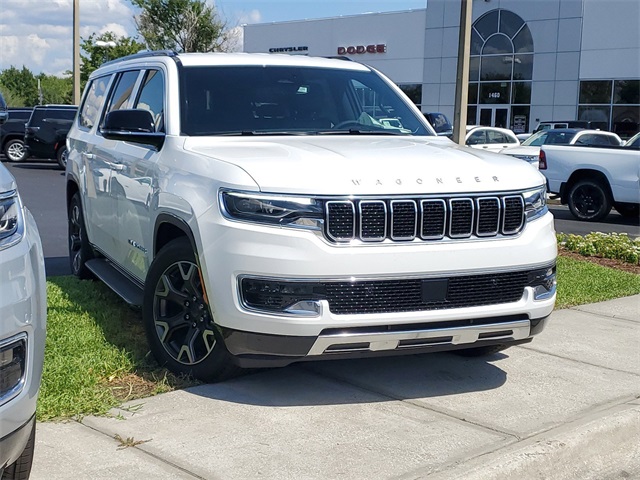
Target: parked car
point(593, 180)
point(46, 132)
point(23, 316)
point(552, 125)
point(633, 142)
point(12, 134)
point(4, 113)
point(492, 139)
point(529, 150)
point(259, 216)
point(440, 123)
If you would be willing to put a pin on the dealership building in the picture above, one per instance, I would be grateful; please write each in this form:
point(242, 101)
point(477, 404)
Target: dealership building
point(530, 61)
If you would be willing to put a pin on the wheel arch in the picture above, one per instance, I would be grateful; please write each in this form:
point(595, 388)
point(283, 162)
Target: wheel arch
point(586, 174)
point(169, 227)
point(11, 136)
point(72, 189)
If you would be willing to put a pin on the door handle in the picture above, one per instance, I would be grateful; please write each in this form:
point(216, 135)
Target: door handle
point(118, 167)
point(89, 156)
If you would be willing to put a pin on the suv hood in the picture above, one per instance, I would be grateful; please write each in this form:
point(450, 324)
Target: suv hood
point(366, 165)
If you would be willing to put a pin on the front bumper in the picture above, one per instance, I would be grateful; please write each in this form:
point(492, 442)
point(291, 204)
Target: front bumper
point(242, 250)
point(22, 319)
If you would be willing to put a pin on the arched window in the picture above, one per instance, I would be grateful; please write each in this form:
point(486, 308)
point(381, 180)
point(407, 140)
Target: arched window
point(501, 69)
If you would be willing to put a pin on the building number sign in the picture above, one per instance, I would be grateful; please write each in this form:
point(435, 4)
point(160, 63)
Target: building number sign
point(494, 94)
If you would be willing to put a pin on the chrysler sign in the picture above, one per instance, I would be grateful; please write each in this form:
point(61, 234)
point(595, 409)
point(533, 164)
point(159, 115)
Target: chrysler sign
point(358, 49)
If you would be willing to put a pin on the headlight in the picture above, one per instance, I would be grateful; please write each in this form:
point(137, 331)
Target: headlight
point(535, 202)
point(10, 219)
point(284, 211)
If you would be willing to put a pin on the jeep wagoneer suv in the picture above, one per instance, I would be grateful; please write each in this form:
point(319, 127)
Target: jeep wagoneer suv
point(261, 213)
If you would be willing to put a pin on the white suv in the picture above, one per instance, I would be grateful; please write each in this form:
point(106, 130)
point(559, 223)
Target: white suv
point(23, 316)
point(261, 213)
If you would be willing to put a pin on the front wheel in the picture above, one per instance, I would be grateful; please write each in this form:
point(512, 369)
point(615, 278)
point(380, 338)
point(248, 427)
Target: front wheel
point(15, 150)
point(177, 319)
point(589, 200)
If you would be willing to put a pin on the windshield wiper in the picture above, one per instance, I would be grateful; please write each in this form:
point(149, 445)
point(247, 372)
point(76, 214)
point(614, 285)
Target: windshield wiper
point(250, 133)
point(359, 131)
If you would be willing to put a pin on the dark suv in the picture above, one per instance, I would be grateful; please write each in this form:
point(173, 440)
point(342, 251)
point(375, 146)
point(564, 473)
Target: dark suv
point(46, 131)
point(3, 110)
point(12, 134)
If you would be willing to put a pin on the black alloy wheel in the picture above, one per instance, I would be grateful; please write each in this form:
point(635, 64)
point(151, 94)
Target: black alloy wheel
point(80, 250)
point(589, 200)
point(177, 319)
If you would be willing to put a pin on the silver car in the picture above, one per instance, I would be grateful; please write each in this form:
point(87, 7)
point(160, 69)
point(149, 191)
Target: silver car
point(23, 316)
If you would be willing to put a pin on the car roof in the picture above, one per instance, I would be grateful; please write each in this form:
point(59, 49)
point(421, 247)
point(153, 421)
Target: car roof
point(55, 106)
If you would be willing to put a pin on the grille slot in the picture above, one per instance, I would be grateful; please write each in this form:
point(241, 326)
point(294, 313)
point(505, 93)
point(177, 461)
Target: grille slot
point(389, 296)
point(377, 220)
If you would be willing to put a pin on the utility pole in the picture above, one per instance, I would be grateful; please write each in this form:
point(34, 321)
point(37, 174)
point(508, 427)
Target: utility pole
point(462, 76)
point(76, 52)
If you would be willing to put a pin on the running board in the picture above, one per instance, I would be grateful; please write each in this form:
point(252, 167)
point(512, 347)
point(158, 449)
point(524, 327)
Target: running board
point(125, 288)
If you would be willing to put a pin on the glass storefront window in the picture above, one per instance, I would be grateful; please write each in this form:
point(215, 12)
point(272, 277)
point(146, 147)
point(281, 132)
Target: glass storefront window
point(521, 92)
point(487, 24)
point(523, 42)
point(474, 69)
point(473, 93)
point(476, 42)
point(413, 91)
point(523, 67)
point(472, 111)
point(497, 44)
point(496, 67)
point(597, 91)
point(626, 120)
point(599, 115)
point(520, 116)
point(626, 91)
point(497, 92)
point(510, 23)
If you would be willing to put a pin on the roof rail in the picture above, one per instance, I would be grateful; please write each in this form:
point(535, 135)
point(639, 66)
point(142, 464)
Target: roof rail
point(340, 57)
point(143, 54)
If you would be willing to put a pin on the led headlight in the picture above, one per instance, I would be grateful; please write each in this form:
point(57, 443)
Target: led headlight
point(535, 202)
point(10, 219)
point(528, 158)
point(285, 211)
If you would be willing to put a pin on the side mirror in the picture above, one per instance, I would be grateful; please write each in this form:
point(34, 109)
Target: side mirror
point(134, 125)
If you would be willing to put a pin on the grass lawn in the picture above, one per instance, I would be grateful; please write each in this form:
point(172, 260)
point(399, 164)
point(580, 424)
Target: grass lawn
point(96, 355)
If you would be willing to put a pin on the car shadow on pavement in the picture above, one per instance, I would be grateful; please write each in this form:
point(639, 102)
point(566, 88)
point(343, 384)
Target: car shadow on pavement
point(38, 166)
point(337, 382)
point(57, 266)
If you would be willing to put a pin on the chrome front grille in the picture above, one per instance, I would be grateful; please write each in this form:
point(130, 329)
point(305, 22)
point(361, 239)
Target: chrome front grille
point(425, 219)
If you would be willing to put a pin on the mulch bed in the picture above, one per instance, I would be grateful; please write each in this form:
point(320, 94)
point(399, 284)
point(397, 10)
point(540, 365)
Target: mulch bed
point(605, 262)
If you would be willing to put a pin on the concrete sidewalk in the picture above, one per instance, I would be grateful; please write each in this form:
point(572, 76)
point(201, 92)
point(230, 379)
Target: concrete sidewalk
point(565, 406)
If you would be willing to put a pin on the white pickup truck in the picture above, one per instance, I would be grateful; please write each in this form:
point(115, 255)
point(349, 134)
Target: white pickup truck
point(592, 180)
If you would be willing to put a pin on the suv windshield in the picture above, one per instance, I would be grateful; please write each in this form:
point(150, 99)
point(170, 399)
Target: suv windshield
point(291, 100)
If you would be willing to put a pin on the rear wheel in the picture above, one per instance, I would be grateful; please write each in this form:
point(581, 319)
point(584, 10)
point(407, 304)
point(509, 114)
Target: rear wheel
point(15, 150)
point(589, 200)
point(21, 468)
point(180, 328)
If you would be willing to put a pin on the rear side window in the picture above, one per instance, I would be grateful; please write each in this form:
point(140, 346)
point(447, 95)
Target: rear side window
point(18, 116)
point(93, 101)
point(151, 97)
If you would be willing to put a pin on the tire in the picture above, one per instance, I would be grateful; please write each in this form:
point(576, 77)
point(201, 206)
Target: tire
point(589, 200)
point(480, 351)
point(15, 150)
point(61, 156)
point(180, 329)
point(80, 250)
point(21, 468)
point(628, 210)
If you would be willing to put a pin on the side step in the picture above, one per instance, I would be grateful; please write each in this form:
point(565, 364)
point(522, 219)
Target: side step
point(129, 291)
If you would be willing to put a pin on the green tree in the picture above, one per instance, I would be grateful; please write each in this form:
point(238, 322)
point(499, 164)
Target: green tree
point(56, 89)
point(94, 55)
point(181, 25)
point(21, 85)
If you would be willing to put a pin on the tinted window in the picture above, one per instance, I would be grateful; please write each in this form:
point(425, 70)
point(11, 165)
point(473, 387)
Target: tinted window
point(285, 99)
point(93, 101)
point(151, 97)
point(595, 92)
point(122, 92)
point(22, 116)
point(477, 138)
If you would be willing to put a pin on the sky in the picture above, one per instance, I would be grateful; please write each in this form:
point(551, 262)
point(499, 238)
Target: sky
point(38, 34)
